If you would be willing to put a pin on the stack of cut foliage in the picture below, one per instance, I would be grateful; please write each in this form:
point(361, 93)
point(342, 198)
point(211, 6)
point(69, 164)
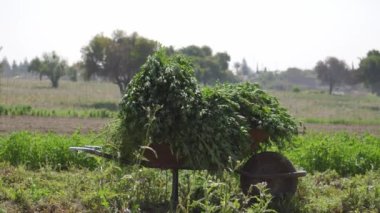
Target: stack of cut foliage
point(165, 105)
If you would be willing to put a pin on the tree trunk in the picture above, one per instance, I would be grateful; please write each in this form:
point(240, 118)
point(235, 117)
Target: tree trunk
point(54, 82)
point(331, 87)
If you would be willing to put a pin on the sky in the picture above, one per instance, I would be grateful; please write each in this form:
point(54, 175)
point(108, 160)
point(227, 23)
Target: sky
point(275, 34)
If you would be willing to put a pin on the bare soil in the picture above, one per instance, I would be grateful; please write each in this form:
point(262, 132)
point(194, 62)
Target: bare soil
point(331, 128)
point(10, 124)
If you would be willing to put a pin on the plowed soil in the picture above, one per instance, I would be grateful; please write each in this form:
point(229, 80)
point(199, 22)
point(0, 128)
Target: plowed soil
point(49, 124)
point(69, 125)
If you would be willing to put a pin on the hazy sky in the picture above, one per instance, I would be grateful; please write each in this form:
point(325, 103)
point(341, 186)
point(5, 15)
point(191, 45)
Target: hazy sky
point(273, 33)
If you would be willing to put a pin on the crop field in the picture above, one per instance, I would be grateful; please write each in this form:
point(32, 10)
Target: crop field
point(39, 173)
point(340, 151)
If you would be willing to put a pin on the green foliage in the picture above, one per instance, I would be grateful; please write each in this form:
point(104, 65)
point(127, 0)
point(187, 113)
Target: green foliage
point(39, 150)
point(158, 104)
point(110, 188)
point(347, 154)
point(163, 104)
point(209, 68)
point(260, 110)
point(28, 110)
point(296, 89)
point(328, 192)
point(118, 58)
point(369, 68)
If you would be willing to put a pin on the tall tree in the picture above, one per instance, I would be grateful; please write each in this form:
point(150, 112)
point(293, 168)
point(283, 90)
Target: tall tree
point(332, 72)
point(50, 65)
point(118, 58)
point(369, 68)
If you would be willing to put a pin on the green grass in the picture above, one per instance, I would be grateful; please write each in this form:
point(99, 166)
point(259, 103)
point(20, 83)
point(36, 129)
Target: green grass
point(113, 189)
point(34, 150)
point(18, 110)
point(38, 173)
point(347, 154)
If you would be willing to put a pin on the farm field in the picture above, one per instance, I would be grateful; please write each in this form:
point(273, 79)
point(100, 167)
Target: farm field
point(34, 98)
point(50, 178)
point(38, 173)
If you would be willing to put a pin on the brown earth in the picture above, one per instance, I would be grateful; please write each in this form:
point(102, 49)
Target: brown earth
point(330, 128)
point(10, 124)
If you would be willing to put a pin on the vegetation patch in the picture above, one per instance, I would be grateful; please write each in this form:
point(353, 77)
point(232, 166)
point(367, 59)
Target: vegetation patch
point(18, 110)
point(35, 151)
point(347, 154)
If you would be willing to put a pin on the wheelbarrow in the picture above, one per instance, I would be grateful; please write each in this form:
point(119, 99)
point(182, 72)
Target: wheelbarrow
point(270, 167)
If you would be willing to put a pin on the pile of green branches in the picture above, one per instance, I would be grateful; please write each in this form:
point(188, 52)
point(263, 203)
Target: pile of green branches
point(164, 104)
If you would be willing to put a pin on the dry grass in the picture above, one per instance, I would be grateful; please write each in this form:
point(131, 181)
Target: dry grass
point(313, 107)
point(39, 94)
point(323, 108)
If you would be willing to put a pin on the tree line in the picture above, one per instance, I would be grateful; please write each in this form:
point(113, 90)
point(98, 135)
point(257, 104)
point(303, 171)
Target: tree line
point(335, 72)
point(119, 57)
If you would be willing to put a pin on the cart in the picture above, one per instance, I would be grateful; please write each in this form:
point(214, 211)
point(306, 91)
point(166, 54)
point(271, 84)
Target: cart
point(270, 167)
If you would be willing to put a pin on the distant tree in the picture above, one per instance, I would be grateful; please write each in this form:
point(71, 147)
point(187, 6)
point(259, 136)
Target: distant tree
point(118, 58)
point(237, 67)
point(5, 67)
point(209, 67)
point(50, 65)
point(332, 72)
point(75, 70)
point(369, 68)
point(245, 69)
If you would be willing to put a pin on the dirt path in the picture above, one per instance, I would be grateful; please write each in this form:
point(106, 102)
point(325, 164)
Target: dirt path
point(69, 125)
point(48, 124)
point(372, 129)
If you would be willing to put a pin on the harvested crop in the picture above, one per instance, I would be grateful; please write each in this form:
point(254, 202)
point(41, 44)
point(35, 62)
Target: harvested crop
point(165, 105)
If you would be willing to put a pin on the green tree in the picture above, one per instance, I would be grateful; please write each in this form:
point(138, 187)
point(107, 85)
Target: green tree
point(118, 58)
point(75, 70)
point(369, 69)
point(332, 72)
point(209, 68)
point(50, 65)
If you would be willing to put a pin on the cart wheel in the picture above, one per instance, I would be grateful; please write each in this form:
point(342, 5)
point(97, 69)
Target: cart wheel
point(267, 163)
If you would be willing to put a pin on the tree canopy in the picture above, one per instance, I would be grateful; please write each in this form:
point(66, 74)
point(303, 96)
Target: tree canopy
point(118, 58)
point(369, 69)
point(50, 65)
point(209, 67)
point(332, 72)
